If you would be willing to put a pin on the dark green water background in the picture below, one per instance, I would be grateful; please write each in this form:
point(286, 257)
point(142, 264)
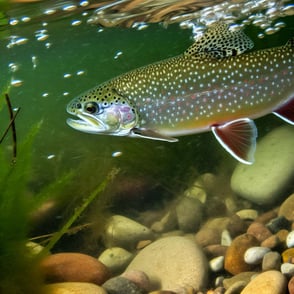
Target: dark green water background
point(92, 49)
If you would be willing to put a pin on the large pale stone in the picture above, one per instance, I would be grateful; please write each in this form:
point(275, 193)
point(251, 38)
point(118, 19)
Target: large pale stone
point(171, 263)
point(273, 170)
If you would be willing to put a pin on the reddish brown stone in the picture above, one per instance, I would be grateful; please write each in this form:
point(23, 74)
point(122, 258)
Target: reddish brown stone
point(234, 259)
point(266, 217)
point(291, 286)
point(73, 267)
point(215, 250)
point(259, 231)
point(287, 208)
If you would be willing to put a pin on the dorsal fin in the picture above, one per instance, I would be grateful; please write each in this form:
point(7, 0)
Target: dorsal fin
point(219, 41)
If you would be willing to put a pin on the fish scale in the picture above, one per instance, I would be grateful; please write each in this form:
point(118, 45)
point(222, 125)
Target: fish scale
point(213, 86)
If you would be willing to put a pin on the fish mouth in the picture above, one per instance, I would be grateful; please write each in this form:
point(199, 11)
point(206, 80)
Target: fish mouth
point(87, 124)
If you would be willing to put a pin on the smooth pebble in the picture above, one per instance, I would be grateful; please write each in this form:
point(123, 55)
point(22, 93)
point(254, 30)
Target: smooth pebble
point(115, 258)
point(73, 288)
point(287, 208)
point(234, 258)
point(247, 214)
point(226, 239)
point(271, 261)
point(73, 267)
point(290, 239)
point(121, 285)
point(121, 231)
point(287, 269)
point(172, 262)
point(267, 282)
point(254, 255)
point(273, 169)
point(216, 264)
point(189, 214)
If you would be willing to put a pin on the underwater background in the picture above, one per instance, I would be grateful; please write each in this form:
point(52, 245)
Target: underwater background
point(62, 178)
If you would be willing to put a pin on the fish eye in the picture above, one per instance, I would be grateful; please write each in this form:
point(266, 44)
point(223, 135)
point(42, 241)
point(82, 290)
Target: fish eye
point(91, 107)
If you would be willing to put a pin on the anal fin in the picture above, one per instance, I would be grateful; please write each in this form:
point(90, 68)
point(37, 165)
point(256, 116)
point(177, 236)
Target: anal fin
point(238, 137)
point(150, 134)
point(286, 112)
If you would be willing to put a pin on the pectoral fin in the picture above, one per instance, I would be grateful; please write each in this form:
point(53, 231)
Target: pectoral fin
point(238, 138)
point(150, 134)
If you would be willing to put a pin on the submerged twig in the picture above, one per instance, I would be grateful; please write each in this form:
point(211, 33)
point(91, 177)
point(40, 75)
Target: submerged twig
point(11, 125)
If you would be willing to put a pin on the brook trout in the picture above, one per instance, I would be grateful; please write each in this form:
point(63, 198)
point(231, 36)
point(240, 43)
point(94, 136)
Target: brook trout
point(213, 86)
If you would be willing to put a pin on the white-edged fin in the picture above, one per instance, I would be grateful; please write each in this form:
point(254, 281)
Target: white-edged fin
point(238, 137)
point(219, 41)
point(150, 134)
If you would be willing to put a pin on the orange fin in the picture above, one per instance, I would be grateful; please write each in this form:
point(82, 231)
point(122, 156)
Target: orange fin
point(238, 137)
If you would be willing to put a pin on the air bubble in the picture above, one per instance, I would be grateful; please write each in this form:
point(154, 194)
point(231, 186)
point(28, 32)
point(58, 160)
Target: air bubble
point(67, 75)
point(13, 67)
point(117, 154)
point(271, 30)
point(76, 22)
point(69, 8)
point(16, 83)
point(118, 54)
point(80, 72)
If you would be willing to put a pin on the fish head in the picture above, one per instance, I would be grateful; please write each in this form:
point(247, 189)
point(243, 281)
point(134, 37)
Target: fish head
point(102, 110)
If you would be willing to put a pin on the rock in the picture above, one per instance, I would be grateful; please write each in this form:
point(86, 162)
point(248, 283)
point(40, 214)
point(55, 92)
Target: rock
point(244, 277)
point(270, 242)
point(236, 226)
point(287, 269)
point(288, 255)
point(73, 267)
point(272, 172)
point(267, 282)
point(121, 285)
point(267, 216)
point(139, 278)
point(215, 250)
point(236, 287)
point(254, 255)
point(142, 244)
point(271, 261)
point(123, 232)
point(167, 223)
point(172, 262)
point(226, 239)
point(211, 231)
point(277, 224)
point(34, 248)
point(73, 288)
point(247, 214)
point(116, 259)
point(290, 239)
point(234, 259)
point(259, 231)
point(217, 263)
point(287, 208)
point(291, 286)
point(189, 214)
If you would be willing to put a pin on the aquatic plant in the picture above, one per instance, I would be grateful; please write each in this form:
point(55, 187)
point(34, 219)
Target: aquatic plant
point(18, 268)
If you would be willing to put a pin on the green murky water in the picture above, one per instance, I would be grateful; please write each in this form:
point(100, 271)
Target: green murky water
point(66, 165)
